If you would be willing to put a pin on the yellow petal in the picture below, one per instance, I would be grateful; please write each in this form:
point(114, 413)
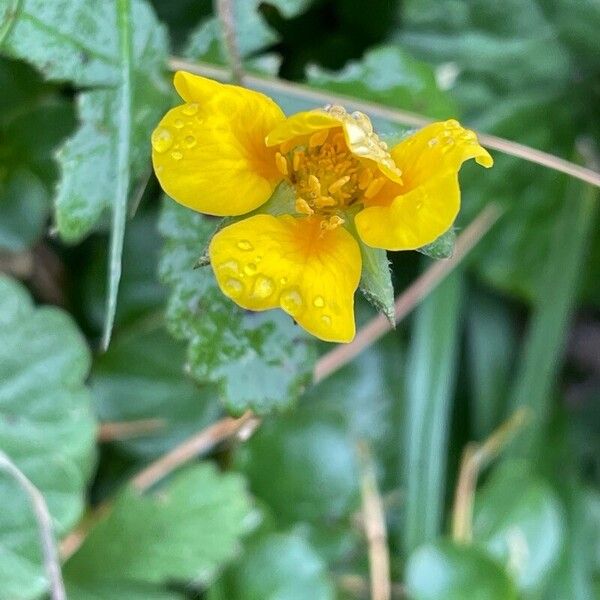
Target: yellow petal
point(437, 149)
point(412, 214)
point(414, 219)
point(209, 154)
point(268, 262)
point(357, 129)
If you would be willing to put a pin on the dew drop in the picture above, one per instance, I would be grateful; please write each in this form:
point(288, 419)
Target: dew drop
point(432, 142)
point(190, 109)
point(263, 287)
point(283, 280)
point(250, 269)
point(245, 245)
point(231, 265)
point(178, 123)
point(326, 320)
point(234, 286)
point(189, 141)
point(162, 139)
point(176, 155)
point(319, 302)
point(291, 301)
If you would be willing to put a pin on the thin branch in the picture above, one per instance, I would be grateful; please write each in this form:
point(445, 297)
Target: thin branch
point(356, 585)
point(44, 521)
point(475, 458)
point(393, 115)
point(224, 10)
point(120, 430)
point(374, 525)
point(199, 443)
point(410, 298)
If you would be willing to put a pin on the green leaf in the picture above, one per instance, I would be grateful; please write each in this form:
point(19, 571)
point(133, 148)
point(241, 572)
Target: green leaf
point(46, 428)
point(390, 76)
point(491, 348)
point(187, 530)
point(442, 247)
point(117, 590)
point(527, 534)
point(552, 309)
point(261, 361)
point(278, 565)
point(141, 377)
point(285, 459)
point(430, 378)
point(445, 571)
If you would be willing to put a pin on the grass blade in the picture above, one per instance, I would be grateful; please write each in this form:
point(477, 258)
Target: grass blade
point(119, 214)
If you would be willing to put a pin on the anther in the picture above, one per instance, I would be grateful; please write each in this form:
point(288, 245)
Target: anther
point(298, 156)
point(282, 164)
point(332, 223)
point(336, 186)
point(314, 185)
point(325, 201)
point(318, 138)
point(374, 187)
point(303, 207)
point(364, 179)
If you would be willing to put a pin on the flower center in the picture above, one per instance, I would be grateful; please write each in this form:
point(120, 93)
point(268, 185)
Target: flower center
point(327, 177)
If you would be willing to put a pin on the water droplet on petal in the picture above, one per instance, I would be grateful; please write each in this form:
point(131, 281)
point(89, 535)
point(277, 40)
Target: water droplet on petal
point(178, 123)
point(432, 142)
point(234, 286)
point(190, 109)
point(162, 139)
point(291, 301)
point(231, 265)
point(263, 287)
point(319, 302)
point(326, 320)
point(283, 280)
point(176, 155)
point(245, 245)
point(189, 141)
point(250, 269)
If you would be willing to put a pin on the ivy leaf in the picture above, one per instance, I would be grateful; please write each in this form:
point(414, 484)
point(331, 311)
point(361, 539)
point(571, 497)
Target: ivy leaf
point(187, 530)
point(446, 571)
point(46, 428)
point(261, 361)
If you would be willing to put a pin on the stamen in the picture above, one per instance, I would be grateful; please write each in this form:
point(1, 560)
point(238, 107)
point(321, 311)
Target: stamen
point(336, 186)
point(314, 185)
point(298, 157)
point(374, 187)
point(325, 201)
point(364, 179)
point(303, 207)
point(318, 138)
point(332, 223)
point(282, 164)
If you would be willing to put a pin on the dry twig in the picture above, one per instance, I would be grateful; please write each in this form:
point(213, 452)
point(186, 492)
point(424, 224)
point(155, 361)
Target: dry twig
point(122, 430)
point(44, 522)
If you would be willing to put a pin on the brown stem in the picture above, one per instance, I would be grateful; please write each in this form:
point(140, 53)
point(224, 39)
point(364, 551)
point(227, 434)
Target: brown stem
point(224, 10)
point(121, 430)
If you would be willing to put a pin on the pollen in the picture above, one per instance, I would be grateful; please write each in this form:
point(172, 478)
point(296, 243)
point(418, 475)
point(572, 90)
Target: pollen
point(281, 163)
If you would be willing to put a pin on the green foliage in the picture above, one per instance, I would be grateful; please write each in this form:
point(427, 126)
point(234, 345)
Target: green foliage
point(46, 428)
point(187, 530)
point(446, 571)
point(260, 361)
point(76, 111)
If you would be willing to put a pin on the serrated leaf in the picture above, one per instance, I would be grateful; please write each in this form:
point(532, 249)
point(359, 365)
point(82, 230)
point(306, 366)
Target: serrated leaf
point(46, 427)
point(389, 75)
point(187, 530)
point(260, 361)
point(527, 535)
point(277, 565)
point(442, 247)
point(141, 377)
point(445, 571)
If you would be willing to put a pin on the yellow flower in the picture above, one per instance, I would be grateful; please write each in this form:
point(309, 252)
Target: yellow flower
point(227, 148)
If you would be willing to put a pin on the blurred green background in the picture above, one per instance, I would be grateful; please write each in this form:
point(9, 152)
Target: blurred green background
point(279, 516)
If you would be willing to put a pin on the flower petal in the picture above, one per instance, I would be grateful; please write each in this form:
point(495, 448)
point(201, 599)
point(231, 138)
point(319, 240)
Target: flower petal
point(268, 262)
point(414, 219)
point(209, 154)
point(412, 214)
point(357, 129)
